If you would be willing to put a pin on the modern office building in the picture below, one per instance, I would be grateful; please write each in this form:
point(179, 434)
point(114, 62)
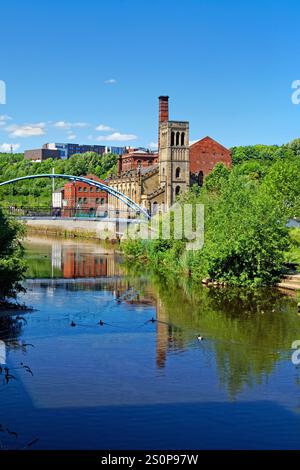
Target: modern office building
point(68, 149)
point(39, 155)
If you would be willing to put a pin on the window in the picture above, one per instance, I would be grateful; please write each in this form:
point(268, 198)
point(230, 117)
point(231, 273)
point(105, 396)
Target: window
point(98, 190)
point(178, 172)
point(85, 190)
point(200, 178)
point(102, 201)
point(182, 138)
point(172, 139)
point(177, 138)
point(80, 189)
point(91, 189)
point(177, 190)
point(85, 200)
point(97, 200)
point(139, 163)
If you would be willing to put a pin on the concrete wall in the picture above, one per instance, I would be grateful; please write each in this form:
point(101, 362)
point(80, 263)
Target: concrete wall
point(72, 228)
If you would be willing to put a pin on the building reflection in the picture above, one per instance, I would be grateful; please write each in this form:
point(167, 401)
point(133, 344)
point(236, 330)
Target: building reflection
point(86, 264)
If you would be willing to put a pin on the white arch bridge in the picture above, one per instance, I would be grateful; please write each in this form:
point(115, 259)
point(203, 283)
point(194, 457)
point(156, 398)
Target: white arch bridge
point(113, 192)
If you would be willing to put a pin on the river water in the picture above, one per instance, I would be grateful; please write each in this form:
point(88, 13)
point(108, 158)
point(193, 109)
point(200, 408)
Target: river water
point(131, 383)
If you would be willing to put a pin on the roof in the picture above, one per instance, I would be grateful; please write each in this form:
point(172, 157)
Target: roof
point(207, 138)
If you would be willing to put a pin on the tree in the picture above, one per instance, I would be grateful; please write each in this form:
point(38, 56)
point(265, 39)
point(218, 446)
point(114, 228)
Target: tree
point(245, 236)
point(294, 145)
point(12, 267)
point(215, 180)
point(282, 183)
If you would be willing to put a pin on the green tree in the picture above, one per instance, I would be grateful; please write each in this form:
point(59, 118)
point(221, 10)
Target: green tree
point(12, 268)
point(245, 236)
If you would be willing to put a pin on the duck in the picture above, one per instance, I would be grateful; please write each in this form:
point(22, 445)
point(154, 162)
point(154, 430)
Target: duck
point(200, 338)
point(151, 321)
point(73, 324)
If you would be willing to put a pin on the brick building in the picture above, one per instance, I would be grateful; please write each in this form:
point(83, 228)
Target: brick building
point(81, 199)
point(152, 179)
point(134, 159)
point(204, 155)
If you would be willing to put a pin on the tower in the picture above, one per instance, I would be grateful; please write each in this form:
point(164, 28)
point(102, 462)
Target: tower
point(174, 162)
point(163, 113)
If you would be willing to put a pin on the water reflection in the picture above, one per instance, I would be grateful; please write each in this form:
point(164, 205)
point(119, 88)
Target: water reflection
point(52, 258)
point(130, 372)
point(250, 331)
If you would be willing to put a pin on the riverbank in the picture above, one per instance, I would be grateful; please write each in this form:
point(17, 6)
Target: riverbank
point(71, 228)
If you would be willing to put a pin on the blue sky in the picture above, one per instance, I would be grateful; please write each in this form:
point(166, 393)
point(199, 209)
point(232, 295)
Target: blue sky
point(72, 66)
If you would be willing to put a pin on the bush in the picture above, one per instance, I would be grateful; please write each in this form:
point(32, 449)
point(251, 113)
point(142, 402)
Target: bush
point(12, 267)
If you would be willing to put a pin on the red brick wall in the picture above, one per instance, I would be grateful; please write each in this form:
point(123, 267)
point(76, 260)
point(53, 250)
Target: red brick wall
point(76, 193)
point(132, 162)
point(205, 154)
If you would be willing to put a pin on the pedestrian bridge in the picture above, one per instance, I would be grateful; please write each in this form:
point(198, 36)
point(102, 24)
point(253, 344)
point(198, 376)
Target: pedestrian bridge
point(113, 192)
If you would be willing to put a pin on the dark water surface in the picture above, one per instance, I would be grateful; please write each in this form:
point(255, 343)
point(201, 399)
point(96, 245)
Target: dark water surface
point(133, 384)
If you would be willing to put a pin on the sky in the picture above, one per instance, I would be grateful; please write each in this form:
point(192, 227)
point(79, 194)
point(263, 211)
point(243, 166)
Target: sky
point(90, 71)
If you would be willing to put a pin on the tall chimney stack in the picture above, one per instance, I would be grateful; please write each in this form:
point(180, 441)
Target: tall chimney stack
point(163, 113)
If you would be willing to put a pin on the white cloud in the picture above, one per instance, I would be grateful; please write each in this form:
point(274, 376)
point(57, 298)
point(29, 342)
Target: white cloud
point(4, 118)
point(110, 81)
point(153, 145)
point(103, 127)
point(69, 125)
point(71, 136)
point(6, 148)
point(27, 130)
point(80, 124)
point(116, 136)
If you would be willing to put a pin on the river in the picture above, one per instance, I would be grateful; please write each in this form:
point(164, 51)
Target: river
point(132, 383)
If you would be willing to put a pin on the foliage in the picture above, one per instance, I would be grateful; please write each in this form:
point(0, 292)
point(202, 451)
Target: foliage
point(39, 191)
point(217, 178)
point(246, 238)
point(261, 152)
point(12, 268)
point(293, 254)
point(282, 183)
point(294, 146)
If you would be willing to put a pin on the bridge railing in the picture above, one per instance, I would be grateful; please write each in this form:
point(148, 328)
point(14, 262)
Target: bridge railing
point(70, 212)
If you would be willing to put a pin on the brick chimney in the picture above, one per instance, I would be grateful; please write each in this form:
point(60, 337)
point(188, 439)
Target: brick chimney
point(163, 113)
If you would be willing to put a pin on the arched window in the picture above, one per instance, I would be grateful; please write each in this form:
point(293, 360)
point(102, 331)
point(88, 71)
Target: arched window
point(177, 138)
point(200, 178)
point(172, 139)
point(182, 138)
point(177, 172)
point(139, 163)
point(177, 190)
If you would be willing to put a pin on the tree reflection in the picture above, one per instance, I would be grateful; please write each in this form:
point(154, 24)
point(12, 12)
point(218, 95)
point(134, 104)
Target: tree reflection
point(250, 330)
